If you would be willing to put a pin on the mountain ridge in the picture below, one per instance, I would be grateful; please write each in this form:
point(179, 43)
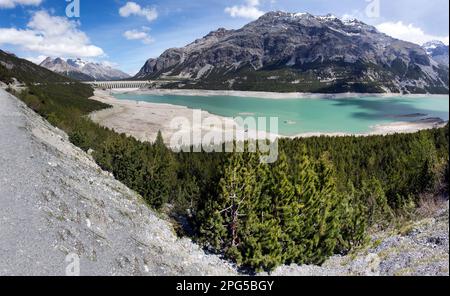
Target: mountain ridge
point(303, 53)
point(82, 70)
point(438, 51)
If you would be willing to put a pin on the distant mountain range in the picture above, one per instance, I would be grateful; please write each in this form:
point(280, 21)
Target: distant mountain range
point(82, 70)
point(438, 51)
point(301, 52)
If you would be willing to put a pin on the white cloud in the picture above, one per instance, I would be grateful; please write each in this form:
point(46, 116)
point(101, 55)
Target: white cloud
point(409, 33)
point(14, 3)
point(51, 35)
point(109, 64)
point(253, 2)
point(139, 35)
point(355, 14)
point(249, 10)
point(132, 8)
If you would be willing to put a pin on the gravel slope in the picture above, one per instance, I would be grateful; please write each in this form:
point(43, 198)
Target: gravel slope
point(54, 201)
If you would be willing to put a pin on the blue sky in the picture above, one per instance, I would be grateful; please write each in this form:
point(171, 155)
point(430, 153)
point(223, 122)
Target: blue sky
point(126, 33)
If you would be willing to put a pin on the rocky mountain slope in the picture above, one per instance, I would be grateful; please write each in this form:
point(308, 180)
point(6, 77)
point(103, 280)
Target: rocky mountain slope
point(82, 70)
point(300, 52)
point(438, 51)
point(54, 201)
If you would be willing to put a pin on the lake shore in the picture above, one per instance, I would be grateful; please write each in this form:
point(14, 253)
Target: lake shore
point(400, 127)
point(262, 95)
point(143, 120)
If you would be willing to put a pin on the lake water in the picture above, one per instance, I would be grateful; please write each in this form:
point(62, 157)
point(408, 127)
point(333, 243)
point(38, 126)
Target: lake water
point(344, 115)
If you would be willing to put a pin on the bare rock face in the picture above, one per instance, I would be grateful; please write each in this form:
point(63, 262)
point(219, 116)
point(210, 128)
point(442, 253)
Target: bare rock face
point(308, 53)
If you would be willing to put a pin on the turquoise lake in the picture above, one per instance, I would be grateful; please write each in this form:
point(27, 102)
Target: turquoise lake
point(346, 115)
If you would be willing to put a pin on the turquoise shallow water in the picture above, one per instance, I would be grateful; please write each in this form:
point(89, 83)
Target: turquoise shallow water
point(346, 115)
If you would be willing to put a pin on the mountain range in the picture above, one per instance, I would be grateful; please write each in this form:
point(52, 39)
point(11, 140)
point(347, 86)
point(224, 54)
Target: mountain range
point(82, 70)
point(300, 52)
point(438, 51)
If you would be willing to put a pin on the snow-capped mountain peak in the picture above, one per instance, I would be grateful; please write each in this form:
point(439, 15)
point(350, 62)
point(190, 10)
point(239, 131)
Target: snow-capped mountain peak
point(438, 51)
point(83, 70)
point(77, 63)
point(431, 45)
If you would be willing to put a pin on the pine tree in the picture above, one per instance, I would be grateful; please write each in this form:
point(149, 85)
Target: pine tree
point(285, 207)
point(320, 212)
point(377, 209)
point(261, 245)
point(160, 173)
point(353, 220)
point(422, 161)
point(263, 240)
point(307, 198)
point(232, 204)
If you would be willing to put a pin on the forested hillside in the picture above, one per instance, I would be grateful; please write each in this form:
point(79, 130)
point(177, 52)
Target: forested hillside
point(25, 71)
point(318, 199)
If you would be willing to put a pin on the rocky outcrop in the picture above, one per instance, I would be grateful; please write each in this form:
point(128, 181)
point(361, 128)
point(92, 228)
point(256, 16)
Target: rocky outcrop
point(304, 53)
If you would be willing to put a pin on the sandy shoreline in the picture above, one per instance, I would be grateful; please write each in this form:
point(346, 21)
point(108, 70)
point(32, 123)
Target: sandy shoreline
point(143, 120)
point(400, 127)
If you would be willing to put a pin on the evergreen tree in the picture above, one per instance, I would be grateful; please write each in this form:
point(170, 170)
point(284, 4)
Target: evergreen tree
point(232, 204)
point(320, 214)
point(353, 220)
point(307, 197)
point(286, 207)
point(264, 242)
point(377, 209)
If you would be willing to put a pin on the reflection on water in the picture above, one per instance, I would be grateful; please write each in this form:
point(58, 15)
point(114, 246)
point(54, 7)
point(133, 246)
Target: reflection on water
point(403, 109)
point(347, 115)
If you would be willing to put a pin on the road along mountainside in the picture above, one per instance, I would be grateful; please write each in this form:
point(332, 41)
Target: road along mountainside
point(55, 201)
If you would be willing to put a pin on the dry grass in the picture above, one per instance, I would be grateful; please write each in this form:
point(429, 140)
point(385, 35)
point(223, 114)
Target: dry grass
point(429, 205)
